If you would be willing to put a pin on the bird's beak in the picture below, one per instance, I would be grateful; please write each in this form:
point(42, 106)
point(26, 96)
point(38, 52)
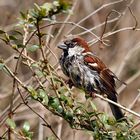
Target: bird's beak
point(62, 46)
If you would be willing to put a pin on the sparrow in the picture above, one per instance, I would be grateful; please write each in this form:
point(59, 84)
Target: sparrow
point(88, 72)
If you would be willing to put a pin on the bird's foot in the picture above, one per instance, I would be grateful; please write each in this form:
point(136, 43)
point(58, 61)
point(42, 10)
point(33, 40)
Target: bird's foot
point(69, 83)
point(93, 95)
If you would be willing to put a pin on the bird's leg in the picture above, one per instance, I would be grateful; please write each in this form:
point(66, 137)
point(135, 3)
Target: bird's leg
point(69, 83)
point(104, 95)
point(91, 94)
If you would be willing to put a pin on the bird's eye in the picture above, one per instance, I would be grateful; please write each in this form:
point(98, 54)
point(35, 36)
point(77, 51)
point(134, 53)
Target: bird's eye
point(70, 44)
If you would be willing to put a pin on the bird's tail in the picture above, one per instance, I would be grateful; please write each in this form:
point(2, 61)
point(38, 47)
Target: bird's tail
point(116, 111)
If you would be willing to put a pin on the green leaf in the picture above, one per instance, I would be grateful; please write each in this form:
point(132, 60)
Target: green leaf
point(26, 126)
point(63, 97)
point(93, 106)
point(11, 123)
point(47, 6)
point(69, 115)
point(45, 100)
point(42, 93)
point(43, 96)
point(2, 32)
point(33, 13)
point(34, 94)
point(54, 103)
point(31, 20)
point(11, 37)
point(17, 32)
point(39, 73)
point(104, 118)
point(14, 46)
point(21, 46)
point(33, 48)
point(60, 109)
point(35, 65)
point(56, 3)
point(37, 7)
point(26, 132)
point(63, 89)
point(7, 37)
point(51, 138)
point(1, 66)
point(56, 79)
point(23, 15)
point(4, 40)
point(64, 4)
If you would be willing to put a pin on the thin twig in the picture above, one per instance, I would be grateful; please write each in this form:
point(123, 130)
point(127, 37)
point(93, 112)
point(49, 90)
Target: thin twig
point(134, 127)
point(126, 58)
point(99, 25)
point(15, 77)
point(52, 53)
point(57, 23)
point(123, 13)
point(40, 39)
point(112, 33)
point(63, 25)
point(134, 101)
point(54, 86)
point(47, 124)
point(114, 103)
point(94, 12)
point(3, 135)
point(107, 21)
point(136, 22)
point(129, 81)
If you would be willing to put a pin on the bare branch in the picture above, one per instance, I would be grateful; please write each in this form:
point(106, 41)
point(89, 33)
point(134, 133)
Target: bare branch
point(94, 12)
point(122, 107)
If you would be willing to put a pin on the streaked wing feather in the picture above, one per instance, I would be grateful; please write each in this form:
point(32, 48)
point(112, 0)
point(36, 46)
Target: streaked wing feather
point(94, 63)
point(106, 76)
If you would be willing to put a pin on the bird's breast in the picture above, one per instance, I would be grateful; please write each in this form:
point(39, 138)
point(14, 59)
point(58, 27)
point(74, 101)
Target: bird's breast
point(79, 73)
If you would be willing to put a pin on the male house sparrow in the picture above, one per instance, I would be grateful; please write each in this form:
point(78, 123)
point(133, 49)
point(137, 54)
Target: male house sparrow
point(87, 71)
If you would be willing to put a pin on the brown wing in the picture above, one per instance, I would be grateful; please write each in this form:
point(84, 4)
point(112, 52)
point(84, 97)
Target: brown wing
point(106, 76)
point(107, 82)
point(94, 63)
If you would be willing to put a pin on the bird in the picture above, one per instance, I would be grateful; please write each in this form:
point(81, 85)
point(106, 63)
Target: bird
point(88, 72)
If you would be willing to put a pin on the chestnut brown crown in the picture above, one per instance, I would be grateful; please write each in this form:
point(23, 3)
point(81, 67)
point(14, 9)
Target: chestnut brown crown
point(71, 43)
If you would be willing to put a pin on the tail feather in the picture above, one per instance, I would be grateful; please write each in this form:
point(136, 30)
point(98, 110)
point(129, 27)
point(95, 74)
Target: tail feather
point(116, 111)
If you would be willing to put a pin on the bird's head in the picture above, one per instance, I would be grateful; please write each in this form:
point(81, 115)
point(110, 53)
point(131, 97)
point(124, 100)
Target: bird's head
point(74, 46)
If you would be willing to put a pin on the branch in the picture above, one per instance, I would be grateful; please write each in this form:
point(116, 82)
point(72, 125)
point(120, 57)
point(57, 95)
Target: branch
point(47, 124)
point(94, 12)
point(114, 103)
point(63, 25)
point(99, 25)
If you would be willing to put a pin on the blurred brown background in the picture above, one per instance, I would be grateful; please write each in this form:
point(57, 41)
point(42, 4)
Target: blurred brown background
point(122, 56)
